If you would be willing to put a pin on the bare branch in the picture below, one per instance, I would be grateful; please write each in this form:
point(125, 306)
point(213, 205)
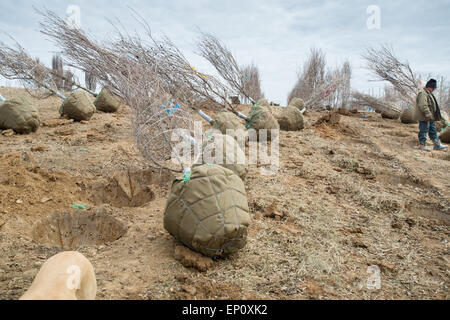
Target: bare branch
point(362, 100)
point(145, 77)
point(387, 67)
point(316, 86)
point(224, 62)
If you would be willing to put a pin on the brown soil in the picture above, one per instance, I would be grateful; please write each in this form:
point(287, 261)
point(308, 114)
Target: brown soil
point(348, 195)
point(70, 231)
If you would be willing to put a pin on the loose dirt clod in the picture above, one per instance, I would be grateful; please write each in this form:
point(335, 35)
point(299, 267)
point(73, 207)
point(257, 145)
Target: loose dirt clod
point(191, 259)
point(272, 211)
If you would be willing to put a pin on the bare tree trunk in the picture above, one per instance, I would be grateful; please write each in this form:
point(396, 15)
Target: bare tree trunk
point(58, 71)
point(90, 81)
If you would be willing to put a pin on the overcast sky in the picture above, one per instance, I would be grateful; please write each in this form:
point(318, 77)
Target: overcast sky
point(276, 35)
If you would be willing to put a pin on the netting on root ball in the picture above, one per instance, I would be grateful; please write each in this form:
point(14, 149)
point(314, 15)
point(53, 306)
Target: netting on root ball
point(208, 211)
point(260, 118)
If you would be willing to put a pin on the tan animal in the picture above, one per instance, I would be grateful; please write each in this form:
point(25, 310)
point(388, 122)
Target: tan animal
point(65, 276)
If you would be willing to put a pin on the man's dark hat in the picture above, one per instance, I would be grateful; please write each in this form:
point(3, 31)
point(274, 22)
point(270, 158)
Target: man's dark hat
point(431, 84)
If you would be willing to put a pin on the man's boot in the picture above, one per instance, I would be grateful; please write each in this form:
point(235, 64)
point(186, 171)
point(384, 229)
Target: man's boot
point(439, 146)
point(422, 147)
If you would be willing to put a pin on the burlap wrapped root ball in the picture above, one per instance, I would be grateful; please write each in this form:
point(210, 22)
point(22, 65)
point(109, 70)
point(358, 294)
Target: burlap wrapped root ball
point(291, 119)
point(445, 135)
point(106, 101)
point(297, 103)
point(260, 118)
point(77, 106)
point(20, 115)
point(392, 113)
point(264, 102)
point(224, 150)
point(228, 121)
point(407, 116)
point(209, 212)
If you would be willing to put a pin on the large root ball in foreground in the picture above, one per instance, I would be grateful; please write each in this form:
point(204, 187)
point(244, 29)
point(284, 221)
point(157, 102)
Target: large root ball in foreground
point(19, 115)
point(407, 116)
point(77, 106)
point(260, 118)
point(208, 211)
point(297, 103)
point(107, 101)
point(291, 119)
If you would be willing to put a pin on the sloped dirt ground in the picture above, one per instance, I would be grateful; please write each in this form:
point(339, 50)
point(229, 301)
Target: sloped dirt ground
point(350, 196)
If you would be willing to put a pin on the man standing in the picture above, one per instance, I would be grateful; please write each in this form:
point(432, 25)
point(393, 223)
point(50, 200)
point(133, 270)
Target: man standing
point(427, 112)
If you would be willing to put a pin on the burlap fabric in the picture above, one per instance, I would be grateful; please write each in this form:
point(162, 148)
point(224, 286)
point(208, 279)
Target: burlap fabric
point(208, 211)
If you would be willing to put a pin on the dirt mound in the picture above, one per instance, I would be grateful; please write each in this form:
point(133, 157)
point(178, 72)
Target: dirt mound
point(26, 189)
point(348, 112)
point(330, 126)
point(80, 228)
point(125, 189)
point(331, 118)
